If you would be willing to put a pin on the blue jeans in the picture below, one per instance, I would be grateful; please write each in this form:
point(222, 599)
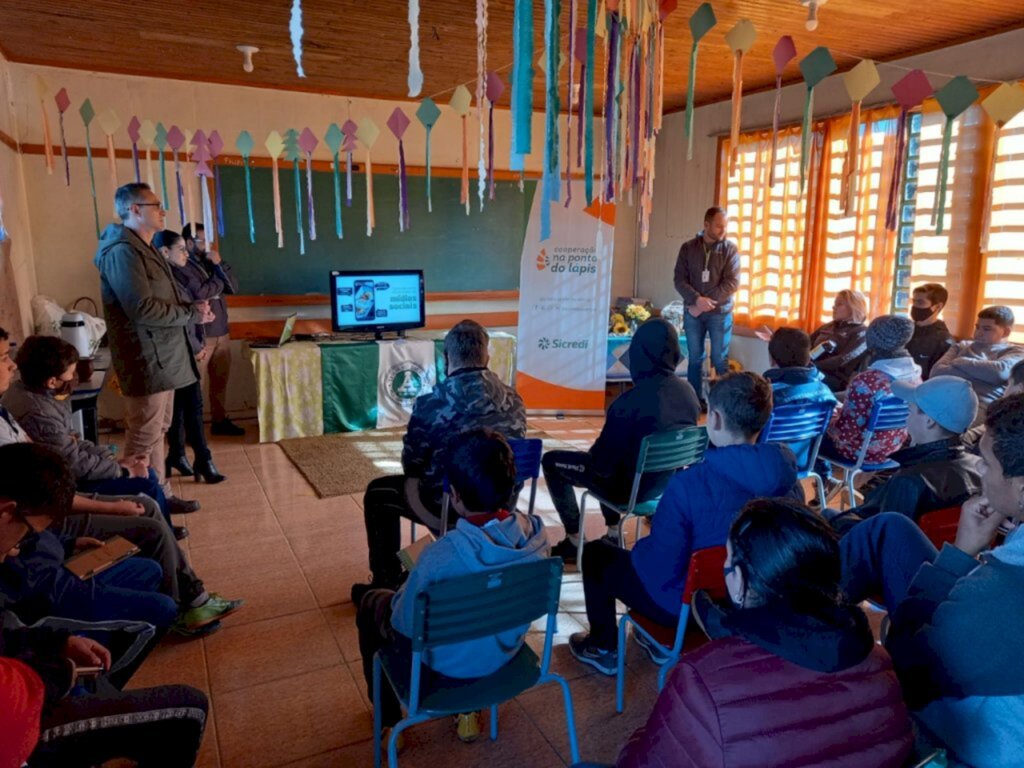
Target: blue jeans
point(128, 591)
point(131, 486)
point(717, 325)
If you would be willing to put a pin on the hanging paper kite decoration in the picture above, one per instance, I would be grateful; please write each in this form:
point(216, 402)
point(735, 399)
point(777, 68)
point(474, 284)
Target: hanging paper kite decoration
point(580, 52)
point(573, 56)
point(954, 97)
point(522, 83)
point(428, 113)
point(349, 128)
point(415, 73)
point(368, 133)
point(191, 214)
point(201, 155)
point(460, 103)
point(816, 66)
point(587, 73)
point(701, 23)
point(160, 139)
point(147, 135)
point(244, 144)
point(275, 146)
point(398, 122)
point(308, 143)
point(42, 91)
point(1002, 105)
point(176, 140)
point(109, 123)
point(611, 101)
point(333, 138)
point(63, 102)
point(481, 89)
point(740, 39)
point(133, 133)
point(293, 152)
point(296, 32)
point(910, 91)
point(552, 10)
point(785, 52)
point(216, 145)
point(88, 113)
point(495, 87)
point(859, 82)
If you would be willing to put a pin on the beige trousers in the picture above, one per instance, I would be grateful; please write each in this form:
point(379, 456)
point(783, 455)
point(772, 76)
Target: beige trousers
point(148, 418)
point(214, 370)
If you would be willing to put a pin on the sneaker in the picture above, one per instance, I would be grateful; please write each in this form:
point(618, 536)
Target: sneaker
point(467, 726)
point(605, 662)
point(177, 506)
point(212, 610)
point(180, 532)
point(832, 487)
point(181, 630)
point(566, 550)
point(654, 650)
point(226, 428)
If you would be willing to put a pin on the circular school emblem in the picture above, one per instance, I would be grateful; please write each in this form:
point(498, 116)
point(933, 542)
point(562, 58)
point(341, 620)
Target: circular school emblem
point(404, 382)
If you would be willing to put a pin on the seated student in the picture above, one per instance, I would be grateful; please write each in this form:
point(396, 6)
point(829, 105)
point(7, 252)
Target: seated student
point(840, 350)
point(694, 513)
point(470, 397)
point(152, 726)
point(482, 475)
point(887, 339)
point(986, 361)
point(956, 614)
point(789, 636)
point(658, 402)
point(40, 402)
point(932, 338)
point(936, 471)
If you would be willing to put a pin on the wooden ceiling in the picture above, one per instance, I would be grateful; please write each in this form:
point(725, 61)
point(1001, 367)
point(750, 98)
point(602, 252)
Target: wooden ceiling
point(360, 47)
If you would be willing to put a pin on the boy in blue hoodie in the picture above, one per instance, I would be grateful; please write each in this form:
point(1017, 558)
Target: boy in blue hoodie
point(694, 513)
point(481, 473)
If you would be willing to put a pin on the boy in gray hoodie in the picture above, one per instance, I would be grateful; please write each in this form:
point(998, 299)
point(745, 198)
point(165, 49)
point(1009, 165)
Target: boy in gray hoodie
point(489, 534)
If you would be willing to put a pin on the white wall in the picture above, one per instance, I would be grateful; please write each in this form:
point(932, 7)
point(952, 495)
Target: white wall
point(684, 190)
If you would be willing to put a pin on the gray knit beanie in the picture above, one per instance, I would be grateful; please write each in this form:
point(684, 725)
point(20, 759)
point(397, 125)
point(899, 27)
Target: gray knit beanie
point(889, 333)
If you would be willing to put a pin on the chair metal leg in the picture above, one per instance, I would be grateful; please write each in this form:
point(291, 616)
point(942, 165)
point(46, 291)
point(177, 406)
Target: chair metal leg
point(582, 533)
point(396, 732)
point(620, 674)
point(850, 475)
point(819, 484)
point(376, 713)
point(670, 662)
point(570, 717)
point(412, 532)
point(494, 722)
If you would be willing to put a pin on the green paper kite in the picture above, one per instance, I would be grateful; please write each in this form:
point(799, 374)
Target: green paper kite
point(954, 98)
point(700, 24)
point(816, 66)
point(88, 113)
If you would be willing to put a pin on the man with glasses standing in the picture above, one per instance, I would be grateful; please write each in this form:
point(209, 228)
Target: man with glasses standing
point(707, 275)
point(147, 324)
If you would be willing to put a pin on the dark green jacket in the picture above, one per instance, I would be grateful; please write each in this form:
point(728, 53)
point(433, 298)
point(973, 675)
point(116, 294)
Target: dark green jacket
point(147, 315)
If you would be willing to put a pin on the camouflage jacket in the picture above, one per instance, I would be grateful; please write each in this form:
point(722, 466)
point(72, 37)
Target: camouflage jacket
point(469, 398)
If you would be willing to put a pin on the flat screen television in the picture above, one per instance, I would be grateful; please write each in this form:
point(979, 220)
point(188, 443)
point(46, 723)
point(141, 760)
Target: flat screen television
point(378, 301)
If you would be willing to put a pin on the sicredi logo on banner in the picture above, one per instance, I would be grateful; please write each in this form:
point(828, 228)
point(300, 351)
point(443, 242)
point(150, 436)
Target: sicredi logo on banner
point(545, 343)
point(578, 261)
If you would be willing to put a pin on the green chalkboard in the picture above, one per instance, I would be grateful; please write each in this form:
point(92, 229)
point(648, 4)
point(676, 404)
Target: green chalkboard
point(456, 252)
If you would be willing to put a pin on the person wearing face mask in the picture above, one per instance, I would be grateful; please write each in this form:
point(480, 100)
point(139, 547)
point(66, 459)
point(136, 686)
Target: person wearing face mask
point(839, 349)
point(931, 336)
point(791, 637)
point(187, 419)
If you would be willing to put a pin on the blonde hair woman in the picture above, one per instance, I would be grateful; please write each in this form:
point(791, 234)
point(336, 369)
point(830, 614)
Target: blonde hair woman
point(839, 349)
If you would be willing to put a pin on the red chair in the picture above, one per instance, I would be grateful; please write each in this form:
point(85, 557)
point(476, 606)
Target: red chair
point(706, 572)
point(940, 525)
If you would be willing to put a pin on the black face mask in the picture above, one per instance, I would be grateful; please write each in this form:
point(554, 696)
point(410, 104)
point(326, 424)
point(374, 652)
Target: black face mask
point(920, 314)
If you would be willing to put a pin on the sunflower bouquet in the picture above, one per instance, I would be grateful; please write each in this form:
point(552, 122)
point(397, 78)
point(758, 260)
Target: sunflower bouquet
point(617, 325)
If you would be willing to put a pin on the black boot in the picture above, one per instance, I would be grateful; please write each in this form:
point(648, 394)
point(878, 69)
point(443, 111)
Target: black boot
point(226, 428)
point(207, 470)
point(181, 464)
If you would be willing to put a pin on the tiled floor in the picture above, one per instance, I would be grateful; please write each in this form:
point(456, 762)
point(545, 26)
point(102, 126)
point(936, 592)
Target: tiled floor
point(284, 675)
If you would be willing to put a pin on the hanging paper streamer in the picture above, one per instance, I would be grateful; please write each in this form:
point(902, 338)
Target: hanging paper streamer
point(275, 146)
point(427, 114)
point(700, 24)
point(580, 52)
point(88, 113)
point(201, 155)
point(176, 140)
point(460, 103)
point(522, 82)
point(495, 87)
point(63, 102)
point(160, 139)
point(481, 89)
point(415, 73)
point(611, 120)
point(349, 128)
point(587, 76)
point(552, 11)
point(910, 91)
point(109, 123)
point(1002, 105)
point(398, 123)
point(816, 66)
point(147, 135)
point(368, 133)
point(296, 32)
point(244, 144)
point(216, 145)
point(42, 91)
point(333, 138)
point(859, 82)
point(785, 52)
point(740, 39)
point(568, 103)
point(308, 143)
point(293, 152)
point(133, 133)
point(191, 215)
point(954, 98)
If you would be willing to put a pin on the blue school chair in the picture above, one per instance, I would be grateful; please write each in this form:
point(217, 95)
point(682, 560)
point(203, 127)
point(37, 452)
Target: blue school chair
point(887, 413)
point(797, 425)
point(462, 609)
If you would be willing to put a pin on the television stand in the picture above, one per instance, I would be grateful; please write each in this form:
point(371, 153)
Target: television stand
point(379, 335)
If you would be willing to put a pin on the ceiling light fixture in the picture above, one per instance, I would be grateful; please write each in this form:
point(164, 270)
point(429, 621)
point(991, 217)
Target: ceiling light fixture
point(247, 52)
point(812, 12)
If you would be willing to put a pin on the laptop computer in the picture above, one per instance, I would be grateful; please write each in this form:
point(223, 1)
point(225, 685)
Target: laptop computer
point(269, 342)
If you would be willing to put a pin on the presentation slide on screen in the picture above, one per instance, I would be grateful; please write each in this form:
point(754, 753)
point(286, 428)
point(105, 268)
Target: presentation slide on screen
point(377, 299)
